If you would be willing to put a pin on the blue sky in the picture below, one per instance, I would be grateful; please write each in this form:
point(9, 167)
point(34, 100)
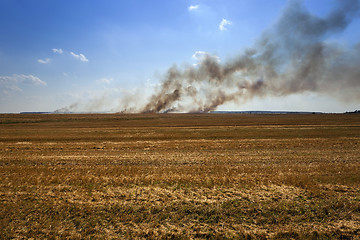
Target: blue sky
point(92, 53)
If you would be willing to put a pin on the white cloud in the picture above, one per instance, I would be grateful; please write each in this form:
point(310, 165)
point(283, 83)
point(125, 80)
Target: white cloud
point(10, 83)
point(80, 56)
point(193, 7)
point(105, 80)
point(223, 23)
point(44, 61)
point(8, 89)
point(28, 79)
point(21, 78)
point(150, 84)
point(201, 55)
point(57, 50)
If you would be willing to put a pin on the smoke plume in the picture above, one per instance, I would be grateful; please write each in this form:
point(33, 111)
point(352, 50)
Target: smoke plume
point(291, 57)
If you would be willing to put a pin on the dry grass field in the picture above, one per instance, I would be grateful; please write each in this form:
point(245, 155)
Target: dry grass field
point(179, 176)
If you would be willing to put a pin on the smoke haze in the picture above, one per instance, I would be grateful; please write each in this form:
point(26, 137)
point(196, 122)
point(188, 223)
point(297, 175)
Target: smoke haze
point(291, 57)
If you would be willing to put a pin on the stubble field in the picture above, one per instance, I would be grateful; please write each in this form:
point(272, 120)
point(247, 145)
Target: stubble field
point(179, 176)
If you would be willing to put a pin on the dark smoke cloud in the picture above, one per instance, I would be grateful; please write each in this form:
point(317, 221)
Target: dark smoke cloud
point(291, 57)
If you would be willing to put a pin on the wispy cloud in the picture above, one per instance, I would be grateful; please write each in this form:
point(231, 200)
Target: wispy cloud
point(44, 61)
point(201, 55)
point(105, 80)
point(193, 7)
point(223, 23)
point(57, 50)
point(80, 56)
point(11, 83)
point(8, 89)
point(28, 79)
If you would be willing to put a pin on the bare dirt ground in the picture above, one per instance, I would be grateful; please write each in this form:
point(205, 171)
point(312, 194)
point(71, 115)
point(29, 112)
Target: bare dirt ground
point(180, 176)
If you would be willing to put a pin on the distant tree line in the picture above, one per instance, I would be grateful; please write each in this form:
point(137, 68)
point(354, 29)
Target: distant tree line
point(356, 111)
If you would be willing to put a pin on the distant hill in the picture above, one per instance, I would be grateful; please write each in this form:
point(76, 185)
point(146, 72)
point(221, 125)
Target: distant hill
point(36, 112)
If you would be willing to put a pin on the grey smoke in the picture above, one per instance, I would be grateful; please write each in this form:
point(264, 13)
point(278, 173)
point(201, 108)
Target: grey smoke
point(291, 57)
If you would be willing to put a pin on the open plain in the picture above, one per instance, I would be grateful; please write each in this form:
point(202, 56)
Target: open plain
point(179, 176)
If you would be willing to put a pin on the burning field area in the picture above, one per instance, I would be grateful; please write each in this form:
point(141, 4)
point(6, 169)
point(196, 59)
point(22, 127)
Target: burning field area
point(180, 176)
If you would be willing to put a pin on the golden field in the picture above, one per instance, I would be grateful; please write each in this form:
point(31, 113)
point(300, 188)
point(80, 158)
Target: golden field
point(179, 176)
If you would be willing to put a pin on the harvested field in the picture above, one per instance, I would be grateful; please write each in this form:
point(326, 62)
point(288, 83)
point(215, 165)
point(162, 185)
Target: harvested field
point(180, 176)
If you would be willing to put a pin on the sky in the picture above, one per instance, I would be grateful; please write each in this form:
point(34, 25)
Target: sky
point(90, 55)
